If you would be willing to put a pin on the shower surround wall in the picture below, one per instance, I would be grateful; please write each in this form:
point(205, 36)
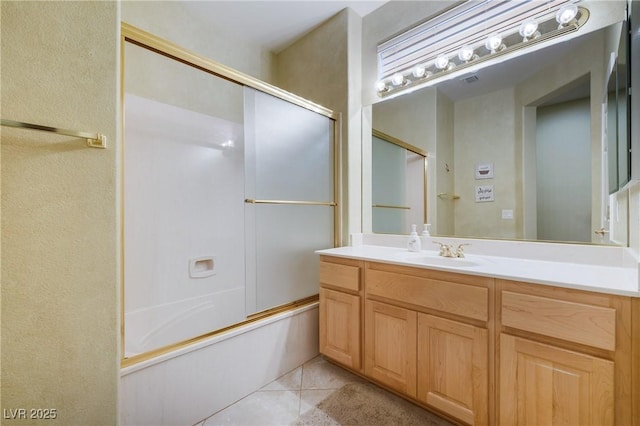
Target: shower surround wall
point(183, 202)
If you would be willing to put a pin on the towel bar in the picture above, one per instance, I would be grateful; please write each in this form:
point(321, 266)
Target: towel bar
point(94, 140)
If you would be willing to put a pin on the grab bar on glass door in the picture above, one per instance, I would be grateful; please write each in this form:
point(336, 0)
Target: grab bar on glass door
point(447, 196)
point(386, 206)
point(94, 140)
point(307, 203)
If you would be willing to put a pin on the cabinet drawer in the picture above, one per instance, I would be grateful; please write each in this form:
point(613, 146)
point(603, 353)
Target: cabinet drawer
point(575, 322)
point(454, 298)
point(340, 275)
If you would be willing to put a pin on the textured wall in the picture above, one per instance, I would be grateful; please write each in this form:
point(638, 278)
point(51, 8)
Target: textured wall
point(319, 67)
point(315, 67)
point(480, 138)
point(184, 23)
point(59, 214)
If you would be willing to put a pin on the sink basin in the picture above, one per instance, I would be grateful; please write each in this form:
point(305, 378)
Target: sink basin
point(427, 258)
point(409, 255)
point(420, 258)
point(446, 261)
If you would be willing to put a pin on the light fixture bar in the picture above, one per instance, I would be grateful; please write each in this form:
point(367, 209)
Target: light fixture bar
point(466, 25)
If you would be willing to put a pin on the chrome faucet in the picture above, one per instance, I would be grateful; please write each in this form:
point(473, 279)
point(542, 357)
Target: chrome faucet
point(447, 250)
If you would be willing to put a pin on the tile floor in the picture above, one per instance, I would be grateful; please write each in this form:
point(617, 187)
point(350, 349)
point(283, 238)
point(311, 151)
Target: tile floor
point(287, 399)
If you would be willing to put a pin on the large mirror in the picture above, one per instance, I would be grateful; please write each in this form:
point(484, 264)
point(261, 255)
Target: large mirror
point(523, 149)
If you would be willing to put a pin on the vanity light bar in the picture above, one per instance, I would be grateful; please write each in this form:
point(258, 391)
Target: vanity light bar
point(466, 24)
point(469, 27)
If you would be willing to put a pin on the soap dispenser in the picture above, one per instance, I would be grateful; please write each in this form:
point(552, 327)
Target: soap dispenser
point(414, 243)
point(425, 234)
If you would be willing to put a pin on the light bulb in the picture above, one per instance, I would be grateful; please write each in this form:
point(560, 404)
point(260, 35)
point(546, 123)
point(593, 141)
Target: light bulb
point(441, 62)
point(381, 86)
point(566, 14)
point(465, 53)
point(419, 71)
point(528, 29)
point(493, 43)
point(397, 79)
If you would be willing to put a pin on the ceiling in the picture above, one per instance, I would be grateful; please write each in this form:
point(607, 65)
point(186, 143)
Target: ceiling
point(274, 25)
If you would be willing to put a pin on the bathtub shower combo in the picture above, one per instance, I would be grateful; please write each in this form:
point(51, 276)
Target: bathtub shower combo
point(228, 191)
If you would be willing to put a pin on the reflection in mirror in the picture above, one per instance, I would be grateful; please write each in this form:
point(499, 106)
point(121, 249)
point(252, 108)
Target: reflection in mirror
point(548, 174)
point(399, 185)
point(563, 165)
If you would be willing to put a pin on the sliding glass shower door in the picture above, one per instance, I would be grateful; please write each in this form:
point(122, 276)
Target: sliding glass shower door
point(227, 193)
point(289, 190)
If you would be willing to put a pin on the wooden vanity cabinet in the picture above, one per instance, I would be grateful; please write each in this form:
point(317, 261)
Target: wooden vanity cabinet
point(564, 356)
point(426, 337)
point(481, 350)
point(340, 310)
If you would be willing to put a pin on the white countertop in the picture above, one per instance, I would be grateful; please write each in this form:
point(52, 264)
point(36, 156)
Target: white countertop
point(599, 278)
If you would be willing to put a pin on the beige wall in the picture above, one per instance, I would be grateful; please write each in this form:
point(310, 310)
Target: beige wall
point(324, 67)
point(182, 23)
point(60, 276)
point(315, 67)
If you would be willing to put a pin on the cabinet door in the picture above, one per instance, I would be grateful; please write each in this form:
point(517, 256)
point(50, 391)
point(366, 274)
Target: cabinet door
point(390, 346)
point(545, 385)
point(453, 368)
point(340, 327)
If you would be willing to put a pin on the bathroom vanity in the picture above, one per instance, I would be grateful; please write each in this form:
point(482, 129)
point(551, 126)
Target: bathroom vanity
point(485, 343)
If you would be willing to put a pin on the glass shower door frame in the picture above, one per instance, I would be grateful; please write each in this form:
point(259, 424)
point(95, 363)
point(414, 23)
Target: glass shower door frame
point(136, 36)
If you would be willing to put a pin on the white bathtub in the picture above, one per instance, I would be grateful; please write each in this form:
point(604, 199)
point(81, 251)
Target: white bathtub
point(157, 326)
point(185, 386)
